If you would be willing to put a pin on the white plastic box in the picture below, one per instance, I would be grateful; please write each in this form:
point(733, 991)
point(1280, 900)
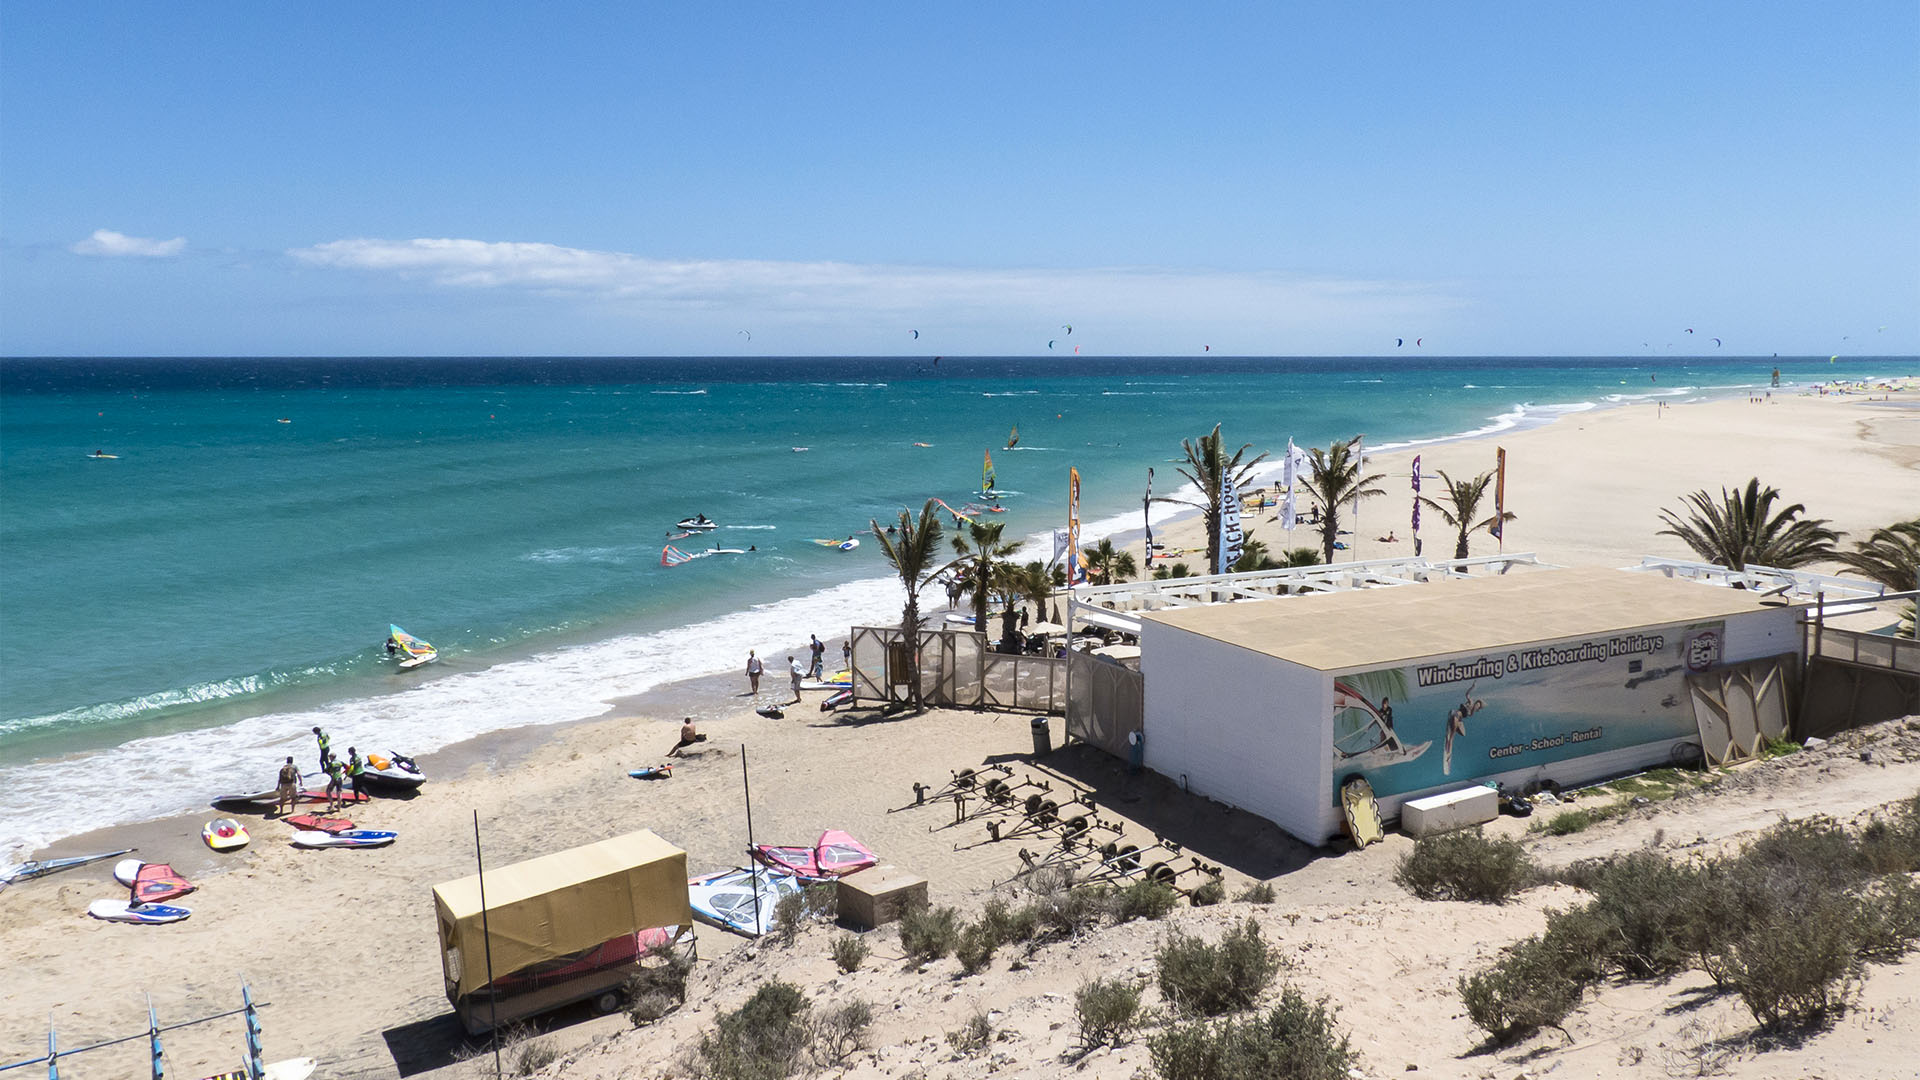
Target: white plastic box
point(1448, 811)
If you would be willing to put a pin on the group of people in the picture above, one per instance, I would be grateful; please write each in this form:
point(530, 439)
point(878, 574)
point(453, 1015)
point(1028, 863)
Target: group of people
point(815, 668)
point(339, 774)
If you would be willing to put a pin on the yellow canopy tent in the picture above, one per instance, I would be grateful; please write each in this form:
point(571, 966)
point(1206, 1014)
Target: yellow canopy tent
point(557, 905)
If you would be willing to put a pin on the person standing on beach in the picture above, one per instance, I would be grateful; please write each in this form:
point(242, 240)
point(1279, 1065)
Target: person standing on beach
point(819, 654)
point(289, 788)
point(325, 743)
point(355, 769)
point(798, 674)
point(846, 656)
point(336, 779)
point(754, 668)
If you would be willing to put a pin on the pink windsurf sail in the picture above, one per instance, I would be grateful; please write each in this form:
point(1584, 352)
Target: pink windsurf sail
point(835, 854)
point(318, 823)
point(156, 883)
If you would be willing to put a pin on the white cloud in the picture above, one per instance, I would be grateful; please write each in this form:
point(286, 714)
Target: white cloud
point(812, 291)
point(108, 242)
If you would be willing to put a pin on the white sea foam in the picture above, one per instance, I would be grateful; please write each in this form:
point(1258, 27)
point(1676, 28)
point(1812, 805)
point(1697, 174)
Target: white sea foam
point(174, 773)
point(679, 393)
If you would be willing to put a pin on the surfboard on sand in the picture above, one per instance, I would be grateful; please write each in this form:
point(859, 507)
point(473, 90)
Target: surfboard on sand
point(1360, 812)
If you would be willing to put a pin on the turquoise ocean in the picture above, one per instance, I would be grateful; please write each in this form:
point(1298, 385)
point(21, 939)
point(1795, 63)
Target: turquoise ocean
point(175, 618)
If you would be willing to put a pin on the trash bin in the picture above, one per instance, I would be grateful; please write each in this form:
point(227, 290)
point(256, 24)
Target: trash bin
point(1042, 738)
point(1136, 751)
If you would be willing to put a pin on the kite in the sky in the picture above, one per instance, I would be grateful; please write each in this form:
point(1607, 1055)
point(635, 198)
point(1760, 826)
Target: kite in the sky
point(1209, 348)
point(1399, 341)
point(1076, 350)
point(1716, 343)
point(1417, 341)
point(1049, 344)
point(1689, 329)
point(915, 333)
point(749, 336)
point(1068, 327)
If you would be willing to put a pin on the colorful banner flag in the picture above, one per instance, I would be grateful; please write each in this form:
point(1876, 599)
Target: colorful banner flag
point(1291, 469)
point(1416, 506)
point(1232, 540)
point(1075, 574)
point(1499, 528)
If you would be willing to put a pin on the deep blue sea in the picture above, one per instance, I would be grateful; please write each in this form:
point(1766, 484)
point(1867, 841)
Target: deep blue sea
point(174, 619)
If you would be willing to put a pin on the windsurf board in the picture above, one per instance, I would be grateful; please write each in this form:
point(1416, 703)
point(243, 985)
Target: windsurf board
point(124, 911)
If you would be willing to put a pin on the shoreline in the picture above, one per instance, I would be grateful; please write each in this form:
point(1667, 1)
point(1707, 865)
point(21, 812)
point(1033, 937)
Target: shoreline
point(1177, 529)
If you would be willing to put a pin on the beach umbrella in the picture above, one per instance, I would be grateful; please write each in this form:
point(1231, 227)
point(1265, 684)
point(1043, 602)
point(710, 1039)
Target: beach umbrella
point(1045, 629)
point(1119, 652)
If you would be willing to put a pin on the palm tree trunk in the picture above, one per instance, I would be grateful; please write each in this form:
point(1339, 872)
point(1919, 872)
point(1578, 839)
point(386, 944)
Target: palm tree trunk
point(910, 630)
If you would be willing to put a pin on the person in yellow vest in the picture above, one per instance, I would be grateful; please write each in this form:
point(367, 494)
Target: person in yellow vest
point(355, 769)
point(326, 746)
point(336, 779)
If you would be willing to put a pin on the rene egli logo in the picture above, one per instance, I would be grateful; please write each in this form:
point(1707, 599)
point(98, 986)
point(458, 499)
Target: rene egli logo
point(1702, 649)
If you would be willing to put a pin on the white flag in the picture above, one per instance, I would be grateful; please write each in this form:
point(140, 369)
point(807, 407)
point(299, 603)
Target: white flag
point(1286, 511)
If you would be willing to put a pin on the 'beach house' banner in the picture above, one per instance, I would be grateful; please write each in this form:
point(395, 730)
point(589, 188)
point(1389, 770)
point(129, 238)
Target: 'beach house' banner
point(1499, 526)
point(1232, 539)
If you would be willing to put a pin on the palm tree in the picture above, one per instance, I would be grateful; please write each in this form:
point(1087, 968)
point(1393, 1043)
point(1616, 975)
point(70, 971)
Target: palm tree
point(1336, 481)
point(1891, 556)
point(912, 553)
point(1030, 583)
point(1207, 465)
point(1302, 556)
point(980, 552)
point(1463, 497)
point(1108, 563)
point(1741, 529)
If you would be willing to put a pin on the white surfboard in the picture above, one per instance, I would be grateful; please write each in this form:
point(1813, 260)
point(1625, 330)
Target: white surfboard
point(122, 911)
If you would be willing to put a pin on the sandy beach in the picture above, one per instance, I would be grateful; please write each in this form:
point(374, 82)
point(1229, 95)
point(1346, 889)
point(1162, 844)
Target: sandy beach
point(342, 942)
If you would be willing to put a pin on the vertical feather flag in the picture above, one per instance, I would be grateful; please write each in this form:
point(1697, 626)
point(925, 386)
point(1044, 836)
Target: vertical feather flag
point(1146, 512)
point(1499, 527)
point(1416, 506)
point(1075, 572)
point(1232, 539)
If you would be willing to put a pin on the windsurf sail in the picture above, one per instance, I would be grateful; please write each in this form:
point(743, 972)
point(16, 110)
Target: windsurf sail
point(1013, 437)
point(157, 883)
point(956, 513)
point(412, 646)
point(1357, 725)
point(27, 871)
point(726, 899)
point(316, 823)
point(986, 475)
point(835, 854)
point(673, 556)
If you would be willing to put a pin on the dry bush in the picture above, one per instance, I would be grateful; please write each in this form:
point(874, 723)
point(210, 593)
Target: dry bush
point(1297, 1039)
point(1209, 979)
point(973, 1036)
point(1142, 899)
point(929, 933)
point(840, 1032)
point(849, 952)
point(1212, 891)
point(974, 949)
point(764, 1039)
point(1466, 865)
point(1260, 892)
point(1106, 1010)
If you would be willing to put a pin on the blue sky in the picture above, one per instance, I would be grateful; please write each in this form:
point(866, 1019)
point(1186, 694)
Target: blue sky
point(1498, 178)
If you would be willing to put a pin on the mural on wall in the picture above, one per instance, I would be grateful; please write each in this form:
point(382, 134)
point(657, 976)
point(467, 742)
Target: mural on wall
point(1455, 719)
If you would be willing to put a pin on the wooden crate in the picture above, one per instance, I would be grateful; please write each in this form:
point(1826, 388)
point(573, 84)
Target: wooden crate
point(878, 895)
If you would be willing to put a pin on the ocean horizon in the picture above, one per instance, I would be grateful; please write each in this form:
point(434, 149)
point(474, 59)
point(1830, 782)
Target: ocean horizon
point(177, 616)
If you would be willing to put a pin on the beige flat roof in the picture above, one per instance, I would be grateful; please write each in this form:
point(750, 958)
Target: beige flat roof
point(1380, 626)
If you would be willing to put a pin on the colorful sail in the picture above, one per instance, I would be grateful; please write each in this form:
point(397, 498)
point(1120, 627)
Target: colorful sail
point(986, 474)
point(1013, 438)
point(1076, 573)
point(835, 854)
point(412, 646)
point(156, 883)
point(673, 556)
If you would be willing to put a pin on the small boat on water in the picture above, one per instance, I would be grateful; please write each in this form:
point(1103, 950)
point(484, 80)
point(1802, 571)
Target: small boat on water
point(697, 523)
point(417, 652)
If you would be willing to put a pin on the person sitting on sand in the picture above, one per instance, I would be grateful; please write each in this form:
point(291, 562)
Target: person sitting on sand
point(688, 736)
point(289, 788)
point(1387, 539)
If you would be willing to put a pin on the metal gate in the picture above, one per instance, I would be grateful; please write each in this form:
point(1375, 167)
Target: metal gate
point(1739, 707)
point(1105, 704)
point(955, 670)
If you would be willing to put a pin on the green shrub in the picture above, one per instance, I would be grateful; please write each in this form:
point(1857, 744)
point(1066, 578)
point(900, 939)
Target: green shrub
point(1106, 1010)
point(974, 949)
point(1528, 988)
point(929, 933)
point(660, 986)
point(973, 1036)
point(1212, 891)
point(796, 910)
point(1817, 847)
point(1888, 922)
point(840, 1032)
point(849, 952)
point(526, 1052)
point(1259, 892)
point(1568, 822)
point(1793, 970)
point(1466, 865)
point(1010, 924)
point(1070, 912)
point(1891, 844)
point(764, 1039)
point(1646, 902)
point(1296, 1040)
point(1142, 899)
point(1210, 979)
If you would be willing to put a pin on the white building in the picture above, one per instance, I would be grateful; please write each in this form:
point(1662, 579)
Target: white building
point(1568, 675)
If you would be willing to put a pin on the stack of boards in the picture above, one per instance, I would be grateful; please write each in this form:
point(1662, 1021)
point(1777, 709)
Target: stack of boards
point(150, 884)
point(310, 831)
